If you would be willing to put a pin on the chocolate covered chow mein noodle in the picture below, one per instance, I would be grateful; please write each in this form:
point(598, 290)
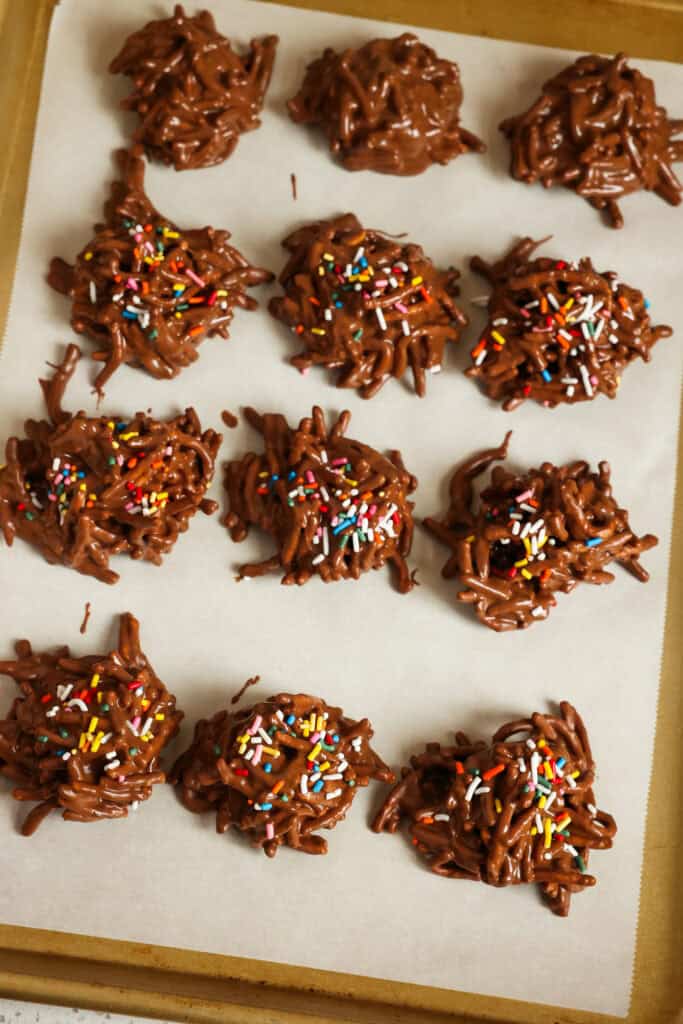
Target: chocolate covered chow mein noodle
point(334, 507)
point(86, 733)
point(558, 332)
point(597, 129)
point(279, 771)
point(391, 106)
point(520, 809)
point(366, 305)
point(531, 535)
point(193, 93)
point(148, 292)
point(83, 488)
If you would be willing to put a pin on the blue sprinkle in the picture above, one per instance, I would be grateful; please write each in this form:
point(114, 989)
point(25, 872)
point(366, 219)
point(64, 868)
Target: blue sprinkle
point(339, 305)
point(266, 807)
point(268, 768)
point(81, 475)
point(593, 542)
point(290, 719)
point(129, 316)
point(647, 303)
point(291, 474)
point(546, 376)
point(335, 738)
point(318, 786)
point(364, 262)
point(275, 476)
point(344, 525)
point(561, 762)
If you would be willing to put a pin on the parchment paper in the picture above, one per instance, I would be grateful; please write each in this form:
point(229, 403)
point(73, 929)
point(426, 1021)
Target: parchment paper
point(417, 665)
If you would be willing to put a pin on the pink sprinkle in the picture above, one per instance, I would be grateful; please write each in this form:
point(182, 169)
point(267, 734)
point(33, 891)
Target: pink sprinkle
point(194, 277)
point(257, 754)
point(136, 722)
point(339, 462)
point(130, 283)
point(381, 284)
point(594, 381)
point(315, 737)
point(401, 308)
point(310, 479)
point(52, 497)
point(59, 478)
point(334, 521)
point(138, 237)
point(254, 728)
point(523, 497)
point(119, 459)
point(304, 370)
point(169, 451)
point(372, 510)
point(270, 830)
point(129, 506)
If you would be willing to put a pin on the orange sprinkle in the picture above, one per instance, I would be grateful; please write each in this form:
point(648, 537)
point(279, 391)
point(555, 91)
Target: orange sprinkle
point(132, 463)
point(278, 786)
point(459, 768)
point(194, 331)
point(426, 821)
point(623, 302)
point(299, 328)
point(490, 772)
point(311, 298)
point(425, 294)
point(478, 348)
point(544, 305)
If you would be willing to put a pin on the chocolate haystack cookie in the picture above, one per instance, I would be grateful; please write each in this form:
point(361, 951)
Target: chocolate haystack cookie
point(366, 305)
point(83, 488)
point(148, 292)
point(86, 734)
point(558, 331)
point(335, 507)
point(532, 535)
point(597, 129)
point(279, 771)
point(520, 809)
point(194, 95)
point(391, 106)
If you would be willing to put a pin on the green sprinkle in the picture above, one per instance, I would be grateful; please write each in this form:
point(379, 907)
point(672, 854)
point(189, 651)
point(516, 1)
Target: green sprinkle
point(153, 334)
point(42, 739)
point(64, 733)
point(217, 750)
point(104, 707)
point(352, 782)
point(358, 335)
point(581, 862)
point(133, 751)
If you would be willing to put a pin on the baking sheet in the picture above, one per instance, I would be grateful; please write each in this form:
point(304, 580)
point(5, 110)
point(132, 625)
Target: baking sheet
point(416, 665)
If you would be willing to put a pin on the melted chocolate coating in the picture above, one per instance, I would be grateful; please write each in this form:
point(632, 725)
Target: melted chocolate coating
point(515, 810)
point(597, 129)
point(391, 106)
point(279, 771)
point(366, 305)
point(532, 535)
point(194, 95)
point(558, 331)
point(145, 290)
point(81, 489)
point(86, 733)
point(335, 507)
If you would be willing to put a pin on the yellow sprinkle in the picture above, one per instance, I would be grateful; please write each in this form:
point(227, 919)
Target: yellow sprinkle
point(314, 753)
point(324, 766)
point(311, 720)
point(93, 723)
point(95, 680)
point(542, 542)
point(497, 336)
point(527, 544)
point(468, 540)
point(83, 487)
point(526, 574)
point(81, 742)
point(317, 330)
point(160, 718)
point(96, 742)
point(321, 271)
point(221, 292)
point(131, 433)
point(162, 495)
point(328, 256)
point(542, 802)
point(416, 280)
point(87, 256)
point(242, 748)
point(568, 305)
point(272, 751)
point(171, 234)
point(522, 561)
point(534, 831)
point(541, 743)
point(306, 730)
point(548, 834)
point(575, 775)
point(111, 424)
point(99, 697)
point(349, 481)
point(499, 806)
point(320, 723)
point(115, 444)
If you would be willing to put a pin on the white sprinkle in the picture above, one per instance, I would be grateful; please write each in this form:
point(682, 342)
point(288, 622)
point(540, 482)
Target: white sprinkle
point(349, 270)
point(551, 800)
point(586, 380)
point(537, 612)
point(355, 542)
point(535, 761)
point(324, 494)
point(570, 391)
point(335, 776)
point(334, 794)
point(483, 789)
point(531, 305)
point(405, 326)
point(500, 321)
point(570, 781)
point(442, 817)
point(66, 756)
point(380, 317)
point(553, 301)
point(328, 314)
point(93, 292)
point(323, 456)
point(435, 369)
point(598, 330)
point(314, 777)
point(472, 788)
point(249, 754)
point(112, 764)
point(132, 728)
point(613, 338)
point(326, 540)
point(109, 756)
point(318, 558)
point(571, 849)
point(52, 712)
point(481, 357)
point(304, 785)
point(480, 300)
point(593, 809)
point(530, 744)
point(516, 527)
point(522, 766)
point(79, 704)
point(359, 255)
point(539, 823)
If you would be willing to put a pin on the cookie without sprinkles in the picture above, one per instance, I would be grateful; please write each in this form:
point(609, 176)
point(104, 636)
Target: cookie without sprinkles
point(518, 810)
point(278, 771)
point(193, 93)
point(532, 535)
point(597, 129)
point(557, 332)
point(147, 291)
point(334, 507)
point(366, 305)
point(86, 734)
point(391, 106)
point(82, 488)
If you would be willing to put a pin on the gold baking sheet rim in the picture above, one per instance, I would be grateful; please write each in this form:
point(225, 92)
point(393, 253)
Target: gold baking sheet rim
point(158, 981)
